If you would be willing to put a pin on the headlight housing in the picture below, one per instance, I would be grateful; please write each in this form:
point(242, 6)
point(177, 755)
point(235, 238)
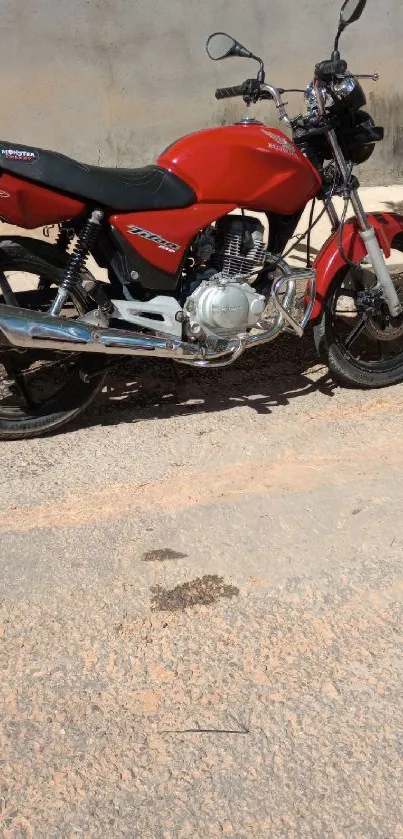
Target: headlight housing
point(358, 139)
point(349, 93)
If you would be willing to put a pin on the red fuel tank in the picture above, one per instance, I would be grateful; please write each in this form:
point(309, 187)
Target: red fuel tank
point(249, 165)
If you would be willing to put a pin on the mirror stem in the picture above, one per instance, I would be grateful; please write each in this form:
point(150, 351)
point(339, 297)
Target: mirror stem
point(261, 74)
point(336, 53)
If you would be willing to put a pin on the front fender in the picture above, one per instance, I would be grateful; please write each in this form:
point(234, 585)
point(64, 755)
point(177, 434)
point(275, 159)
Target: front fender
point(389, 230)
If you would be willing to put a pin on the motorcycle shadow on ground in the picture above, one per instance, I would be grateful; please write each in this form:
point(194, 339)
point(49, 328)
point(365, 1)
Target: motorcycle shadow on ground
point(263, 380)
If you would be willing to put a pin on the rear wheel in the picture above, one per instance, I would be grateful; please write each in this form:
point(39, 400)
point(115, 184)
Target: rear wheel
point(357, 338)
point(40, 390)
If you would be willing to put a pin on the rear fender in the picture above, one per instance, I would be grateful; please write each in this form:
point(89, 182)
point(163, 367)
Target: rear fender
point(389, 231)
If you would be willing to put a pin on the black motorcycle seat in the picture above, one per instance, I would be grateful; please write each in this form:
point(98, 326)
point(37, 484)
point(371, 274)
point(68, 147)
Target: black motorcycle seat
point(124, 190)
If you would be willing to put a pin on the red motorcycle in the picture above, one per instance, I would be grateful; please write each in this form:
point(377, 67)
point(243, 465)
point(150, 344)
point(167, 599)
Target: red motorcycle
point(195, 274)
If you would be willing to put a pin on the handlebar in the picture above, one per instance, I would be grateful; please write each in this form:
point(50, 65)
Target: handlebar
point(228, 92)
point(275, 94)
point(253, 90)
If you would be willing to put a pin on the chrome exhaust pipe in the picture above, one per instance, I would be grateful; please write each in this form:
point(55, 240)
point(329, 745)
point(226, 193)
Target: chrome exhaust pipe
point(25, 329)
point(29, 330)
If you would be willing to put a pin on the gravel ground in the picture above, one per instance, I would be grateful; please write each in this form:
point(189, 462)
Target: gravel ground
point(201, 597)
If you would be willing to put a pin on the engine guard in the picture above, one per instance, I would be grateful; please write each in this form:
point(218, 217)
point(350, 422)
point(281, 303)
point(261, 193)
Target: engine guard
point(389, 231)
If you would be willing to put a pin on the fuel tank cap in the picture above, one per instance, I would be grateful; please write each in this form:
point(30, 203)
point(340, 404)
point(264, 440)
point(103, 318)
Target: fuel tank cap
point(249, 121)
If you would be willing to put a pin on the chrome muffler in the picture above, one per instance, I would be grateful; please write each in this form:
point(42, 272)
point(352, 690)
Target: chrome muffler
point(30, 330)
point(25, 329)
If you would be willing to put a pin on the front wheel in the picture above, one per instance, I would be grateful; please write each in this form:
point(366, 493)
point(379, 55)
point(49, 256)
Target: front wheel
point(356, 337)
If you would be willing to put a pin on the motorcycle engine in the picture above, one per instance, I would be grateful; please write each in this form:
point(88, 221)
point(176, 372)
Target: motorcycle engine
point(227, 257)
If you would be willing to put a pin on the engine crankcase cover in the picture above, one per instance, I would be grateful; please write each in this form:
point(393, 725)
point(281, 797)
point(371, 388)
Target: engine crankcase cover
point(226, 307)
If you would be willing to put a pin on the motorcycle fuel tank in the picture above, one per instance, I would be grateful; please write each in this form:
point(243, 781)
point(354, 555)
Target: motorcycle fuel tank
point(249, 165)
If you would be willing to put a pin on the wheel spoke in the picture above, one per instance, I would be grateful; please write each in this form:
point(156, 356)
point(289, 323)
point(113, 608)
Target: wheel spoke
point(6, 291)
point(19, 380)
point(22, 387)
point(355, 332)
point(39, 389)
point(60, 363)
point(366, 337)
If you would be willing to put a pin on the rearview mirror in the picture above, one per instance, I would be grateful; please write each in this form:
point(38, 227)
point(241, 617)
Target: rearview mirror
point(351, 11)
point(220, 45)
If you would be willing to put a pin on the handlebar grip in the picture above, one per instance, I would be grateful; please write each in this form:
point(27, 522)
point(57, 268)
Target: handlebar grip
point(228, 92)
point(325, 70)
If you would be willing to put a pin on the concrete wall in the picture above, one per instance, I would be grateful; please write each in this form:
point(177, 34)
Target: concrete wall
point(114, 81)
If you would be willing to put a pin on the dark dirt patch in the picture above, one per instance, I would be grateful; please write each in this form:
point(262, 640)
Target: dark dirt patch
point(161, 555)
point(200, 592)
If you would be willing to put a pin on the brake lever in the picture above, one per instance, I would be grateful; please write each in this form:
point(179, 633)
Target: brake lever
point(373, 76)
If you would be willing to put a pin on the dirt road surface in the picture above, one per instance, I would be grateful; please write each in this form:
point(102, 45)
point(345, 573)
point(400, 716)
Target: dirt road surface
point(201, 598)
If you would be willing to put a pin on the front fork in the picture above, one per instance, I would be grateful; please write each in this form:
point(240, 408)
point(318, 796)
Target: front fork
point(367, 233)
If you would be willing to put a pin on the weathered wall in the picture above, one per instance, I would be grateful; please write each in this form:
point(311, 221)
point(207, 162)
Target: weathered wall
point(114, 81)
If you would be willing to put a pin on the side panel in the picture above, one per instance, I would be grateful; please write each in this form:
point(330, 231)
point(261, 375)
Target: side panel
point(329, 260)
point(163, 237)
point(251, 166)
point(29, 205)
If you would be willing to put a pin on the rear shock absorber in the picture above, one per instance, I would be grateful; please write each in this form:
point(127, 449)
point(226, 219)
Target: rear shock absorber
point(77, 260)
